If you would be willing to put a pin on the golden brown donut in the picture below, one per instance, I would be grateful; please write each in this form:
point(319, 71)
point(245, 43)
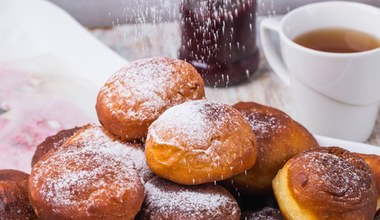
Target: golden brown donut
point(326, 183)
point(374, 163)
point(89, 177)
point(14, 198)
point(279, 138)
point(200, 141)
point(142, 90)
point(134, 151)
point(13, 175)
point(52, 142)
point(168, 200)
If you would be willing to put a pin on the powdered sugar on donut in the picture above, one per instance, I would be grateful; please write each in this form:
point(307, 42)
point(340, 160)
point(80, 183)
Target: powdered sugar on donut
point(195, 122)
point(332, 180)
point(95, 165)
point(187, 122)
point(73, 173)
point(339, 175)
point(193, 126)
point(142, 84)
point(188, 203)
point(95, 137)
point(265, 125)
point(200, 141)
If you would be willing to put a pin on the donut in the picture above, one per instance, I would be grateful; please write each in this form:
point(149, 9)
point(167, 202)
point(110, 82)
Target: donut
point(326, 183)
point(168, 200)
point(88, 177)
point(13, 175)
point(200, 141)
point(279, 138)
point(267, 213)
point(98, 135)
point(14, 198)
point(142, 90)
point(373, 162)
point(52, 142)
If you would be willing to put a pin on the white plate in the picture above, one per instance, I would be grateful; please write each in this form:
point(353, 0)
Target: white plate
point(348, 145)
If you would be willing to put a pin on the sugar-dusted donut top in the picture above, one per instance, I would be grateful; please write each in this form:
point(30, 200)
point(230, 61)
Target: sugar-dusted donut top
point(265, 121)
point(200, 141)
point(331, 179)
point(196, 124)
point(144, 88)
point(88, 168)
point(167, 200)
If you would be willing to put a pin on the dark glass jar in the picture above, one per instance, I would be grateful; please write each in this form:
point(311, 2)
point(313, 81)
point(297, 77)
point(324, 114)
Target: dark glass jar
point(219, 39)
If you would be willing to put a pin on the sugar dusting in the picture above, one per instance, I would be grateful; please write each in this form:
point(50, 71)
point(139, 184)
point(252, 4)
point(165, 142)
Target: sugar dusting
point(332, 180)
point(95, 137)
point(144, 80)
point(76, 174)
point(265, 124)
point(195, 122)
point(187, 202)
point(339, 175)
point(197, 126)
point(187, 122)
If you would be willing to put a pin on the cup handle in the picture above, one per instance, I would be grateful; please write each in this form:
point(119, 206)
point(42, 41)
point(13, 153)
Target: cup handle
point(273, 57)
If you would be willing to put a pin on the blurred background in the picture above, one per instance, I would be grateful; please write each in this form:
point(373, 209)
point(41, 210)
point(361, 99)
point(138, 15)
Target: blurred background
point(97, 13)
point(143, 28)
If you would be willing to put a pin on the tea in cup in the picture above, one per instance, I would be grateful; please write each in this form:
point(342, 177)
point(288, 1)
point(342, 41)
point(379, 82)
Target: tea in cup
point(330, 57)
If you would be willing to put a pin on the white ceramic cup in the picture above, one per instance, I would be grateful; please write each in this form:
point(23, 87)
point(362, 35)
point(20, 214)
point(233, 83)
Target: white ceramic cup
point(335, 94)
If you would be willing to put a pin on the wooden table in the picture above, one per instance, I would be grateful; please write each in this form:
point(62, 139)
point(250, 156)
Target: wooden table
point(135, 41)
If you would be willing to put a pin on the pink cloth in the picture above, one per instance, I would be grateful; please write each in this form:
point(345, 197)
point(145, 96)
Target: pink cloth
point(28, 114)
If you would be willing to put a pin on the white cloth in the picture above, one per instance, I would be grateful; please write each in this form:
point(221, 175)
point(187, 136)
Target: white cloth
point(29, 28)
point(51, 70)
